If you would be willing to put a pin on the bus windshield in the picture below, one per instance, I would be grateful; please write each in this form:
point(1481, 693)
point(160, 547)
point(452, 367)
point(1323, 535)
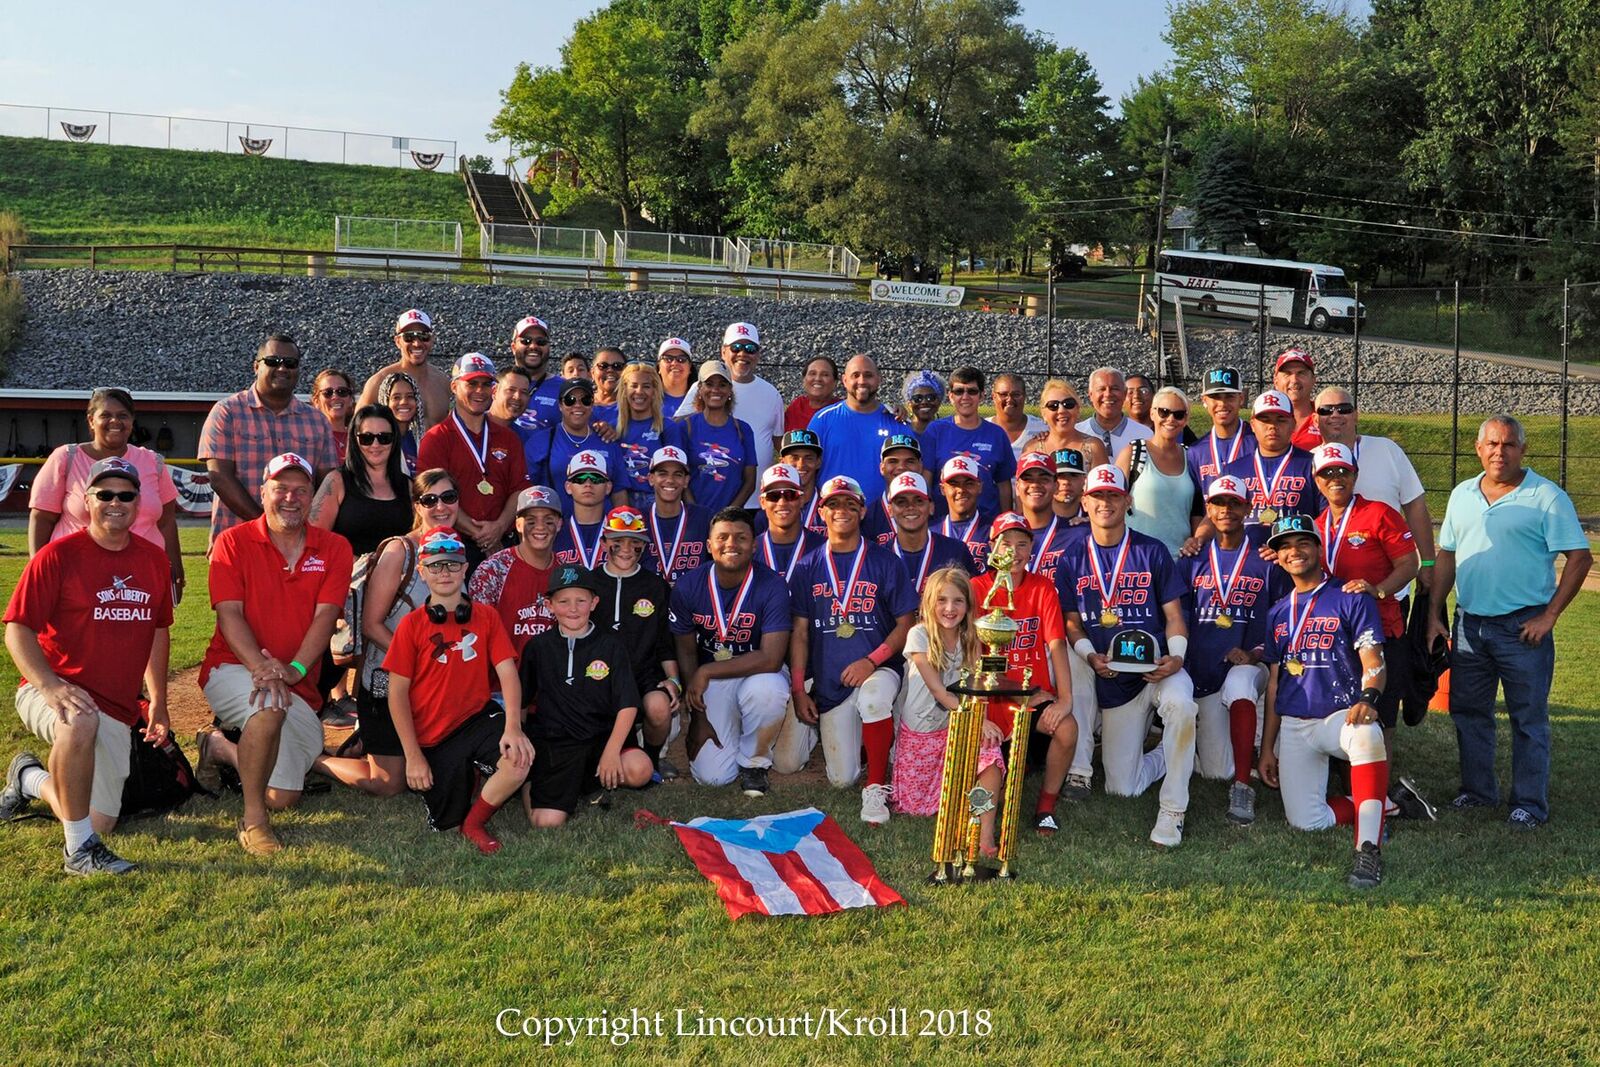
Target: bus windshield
point(1333, 285)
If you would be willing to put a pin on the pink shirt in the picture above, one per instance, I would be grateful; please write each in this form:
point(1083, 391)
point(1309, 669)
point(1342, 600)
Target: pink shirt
point(58, 487)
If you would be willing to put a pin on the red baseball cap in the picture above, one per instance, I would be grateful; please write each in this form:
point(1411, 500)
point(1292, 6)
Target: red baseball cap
point(1294, 355)
point(1008, 520)
point(1036, 461)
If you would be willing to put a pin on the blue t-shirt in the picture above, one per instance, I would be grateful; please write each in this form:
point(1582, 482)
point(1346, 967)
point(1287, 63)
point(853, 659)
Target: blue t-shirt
point(973, 533)
point(670, 404)
point(938, 553)
point(1252, 595)
point(1148, 581)
point(1338, 626)
point(637, 444)
point(606, 413)
point(544, 406)
point(785, 559)
point(1208, 456)
point(850, 443)
point(881, 594)
point(765, 610)
point(718, 456)
point(1294, 489)
point(1506, 551)
point(1051, 541)
point(987, 443)
point(562, 447)
point(578, 544)
point(688, 530)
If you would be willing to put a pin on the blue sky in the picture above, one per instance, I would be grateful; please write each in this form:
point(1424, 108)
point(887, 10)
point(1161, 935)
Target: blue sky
point(405, 69)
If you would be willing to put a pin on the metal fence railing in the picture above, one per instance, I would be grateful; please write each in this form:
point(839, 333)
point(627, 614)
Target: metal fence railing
point(360, 233)
point(570, 245)
point(273, 140)
point(648, 248)
point(800, 257)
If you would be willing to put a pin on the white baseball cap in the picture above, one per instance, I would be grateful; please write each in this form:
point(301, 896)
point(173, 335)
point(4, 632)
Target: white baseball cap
point(841, 485)
point(741, 331)
point(414, 317)
point(1227, 485)
point(960, 465)
point(528, 321)
point(588, 460)
point(287, 461)
point(780, 474)
point(669, 454)
point(1331, 454)
point(908, 482)
point(1106, 478)
point(674, 342)
point(1272, 402)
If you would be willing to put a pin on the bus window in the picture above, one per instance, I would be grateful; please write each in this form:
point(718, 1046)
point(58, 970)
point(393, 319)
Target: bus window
point(1333, 285)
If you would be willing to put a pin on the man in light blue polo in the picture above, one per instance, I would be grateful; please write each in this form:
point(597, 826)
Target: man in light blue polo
point(1501, 534)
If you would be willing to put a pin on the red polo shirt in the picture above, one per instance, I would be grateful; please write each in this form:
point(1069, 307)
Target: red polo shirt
point(1307, 434)
point(279, 600)
point(1375, 537)
point(504, 468)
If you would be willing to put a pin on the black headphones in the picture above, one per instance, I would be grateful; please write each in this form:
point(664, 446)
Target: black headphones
point(436, 612)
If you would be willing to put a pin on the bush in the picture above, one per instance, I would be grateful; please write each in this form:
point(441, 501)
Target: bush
point(12, 232)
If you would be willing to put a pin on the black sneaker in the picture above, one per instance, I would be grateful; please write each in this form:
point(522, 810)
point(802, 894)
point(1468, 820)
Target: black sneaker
point(1368, 869)
point(93, 857)
point(1468, 801)
point(1523, 819)
point(13, 804)
point(339, 713)
point(753, 781)
point(1413, 805)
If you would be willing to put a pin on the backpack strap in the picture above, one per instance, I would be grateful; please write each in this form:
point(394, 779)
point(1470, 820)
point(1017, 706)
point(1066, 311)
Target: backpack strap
point(1136, 461)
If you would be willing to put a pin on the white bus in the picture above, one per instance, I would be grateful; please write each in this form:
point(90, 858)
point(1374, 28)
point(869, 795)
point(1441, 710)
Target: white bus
point(1300, 294)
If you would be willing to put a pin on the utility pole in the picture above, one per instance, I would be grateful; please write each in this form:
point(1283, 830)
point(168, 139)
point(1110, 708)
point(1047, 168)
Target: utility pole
point(1161, 205)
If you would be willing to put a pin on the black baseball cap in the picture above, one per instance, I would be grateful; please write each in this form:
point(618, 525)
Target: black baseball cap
point(1222, 380)
point(900, 440)
point(576, 385)
point(800, 439)
point(1134, 652)
point(572, 576)
point(1069, 461)
point(1290, 526)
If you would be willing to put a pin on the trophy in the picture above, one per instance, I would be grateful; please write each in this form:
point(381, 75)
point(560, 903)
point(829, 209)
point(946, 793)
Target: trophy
point(963, 802)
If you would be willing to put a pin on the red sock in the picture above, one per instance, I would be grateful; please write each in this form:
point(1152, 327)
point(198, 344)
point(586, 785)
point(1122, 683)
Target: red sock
point(1047, 803)
point(1369, 788)
point(1344, 812)
point(474, 827)
point(1242, 732)
point(878, 737)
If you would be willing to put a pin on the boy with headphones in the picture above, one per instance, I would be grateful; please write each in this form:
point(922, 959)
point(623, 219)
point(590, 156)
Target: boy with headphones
point(439, 697)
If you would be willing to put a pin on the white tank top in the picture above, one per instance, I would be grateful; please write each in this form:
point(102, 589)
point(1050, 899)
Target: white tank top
point(1161, 505)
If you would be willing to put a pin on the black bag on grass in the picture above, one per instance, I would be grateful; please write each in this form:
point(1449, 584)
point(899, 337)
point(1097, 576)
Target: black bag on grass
point(160, 778)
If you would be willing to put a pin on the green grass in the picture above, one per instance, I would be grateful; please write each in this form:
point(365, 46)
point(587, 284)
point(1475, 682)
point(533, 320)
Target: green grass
point(107, 194)
point(372, 939)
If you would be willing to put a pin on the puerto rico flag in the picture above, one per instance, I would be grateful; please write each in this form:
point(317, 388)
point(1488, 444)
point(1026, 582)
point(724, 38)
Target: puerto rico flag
point(794, 863)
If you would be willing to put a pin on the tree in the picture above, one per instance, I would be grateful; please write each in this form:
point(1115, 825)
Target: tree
point(613, 106)
point(884, 119)
point(1221, 198)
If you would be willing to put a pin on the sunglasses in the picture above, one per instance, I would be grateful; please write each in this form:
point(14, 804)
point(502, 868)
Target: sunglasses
point(329, 394)
point(542, 342)
point(428, 500)
point(1059, 405)
point(675, 357)
point(383, 437)
point(280, 362)
point(609, 366)
point(106, 496)
point(445, 566)
point(926, 398)
point(577, 401)
point(963, 390)
point(416, 336)
point(776, 495)
point(1346, 408)
point(746, 348)
point(1172, 413)
point(588, 478)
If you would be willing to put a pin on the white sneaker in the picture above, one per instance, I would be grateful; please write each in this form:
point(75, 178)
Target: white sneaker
point(1169, 829)
point(875, 804)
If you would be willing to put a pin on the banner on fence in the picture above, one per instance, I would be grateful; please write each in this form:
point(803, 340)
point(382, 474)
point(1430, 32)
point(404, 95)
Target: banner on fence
point(195, 494)
point(8, 479)
point(918, 293)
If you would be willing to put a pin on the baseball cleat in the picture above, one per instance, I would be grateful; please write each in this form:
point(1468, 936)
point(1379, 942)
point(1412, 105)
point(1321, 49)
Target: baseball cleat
point(1168, 832)
point(1368, 869)
point(753, 781)
point(1044, 823)
point(1413, 805)
point(1076, 788)
point(1241, 804)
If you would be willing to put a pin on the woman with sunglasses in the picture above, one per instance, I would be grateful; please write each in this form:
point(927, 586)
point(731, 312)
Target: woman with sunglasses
point(921, 396)
point(333, 395)
point(641, 429)
point(394, 589)
point(675, 363)
point(1166, 502)
point(606, 370)
point(400, 395)
point(722, 449)
point(1059, 406)
point(56, 507)
point(366, 499)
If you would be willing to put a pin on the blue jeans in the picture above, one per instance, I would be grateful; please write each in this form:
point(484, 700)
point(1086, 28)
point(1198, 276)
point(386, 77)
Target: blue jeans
point(1487, 655)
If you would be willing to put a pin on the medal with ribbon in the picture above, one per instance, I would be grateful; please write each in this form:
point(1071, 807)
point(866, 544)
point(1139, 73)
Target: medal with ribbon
point(1108, 589)
point(1224, 592)
point(668, 560)
point(771, 557)
point(592, 556)
point(1041, 546)
point(724, 649)
point(922, 567)
point(479, 450)
point(1269, 514)
point(1292, 662)
point(1217, 462)
point(841, 596)
point(1332, 545)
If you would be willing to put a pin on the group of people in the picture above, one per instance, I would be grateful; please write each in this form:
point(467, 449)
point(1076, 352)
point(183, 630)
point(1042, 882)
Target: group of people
point(532, 584)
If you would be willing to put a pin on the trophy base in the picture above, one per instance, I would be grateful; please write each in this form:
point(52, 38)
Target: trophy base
point(953, 875)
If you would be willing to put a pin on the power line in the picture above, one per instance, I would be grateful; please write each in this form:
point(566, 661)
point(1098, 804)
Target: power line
point(1409, 207)
point(1409, 227)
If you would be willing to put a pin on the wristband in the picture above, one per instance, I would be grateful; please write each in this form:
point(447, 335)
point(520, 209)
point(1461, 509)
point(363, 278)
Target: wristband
point(1371, 696)
point(1178, 646)
point(1427, 563)
point(301, 667)
point(676, 684)
point(880, 655)
point(1084, 648)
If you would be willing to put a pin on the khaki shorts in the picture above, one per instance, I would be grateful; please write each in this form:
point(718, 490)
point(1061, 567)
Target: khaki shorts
point(113, 745)
point(299, 744)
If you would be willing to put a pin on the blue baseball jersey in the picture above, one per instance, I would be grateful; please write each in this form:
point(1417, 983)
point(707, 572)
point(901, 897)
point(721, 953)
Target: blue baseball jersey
point(1148, 581)
point(1257, 588)
point(1208, 456)
point(670, 405)
point(850, 443)
point(562, 447)
point(586, 550)
point(938, 553)
point(606, 413)
point(877, 523)
point(881, 594)
point(637, 444)
point(544, 407)
point(718, 456)
point(1338, 626)
point(987, 443)
point(973, 534)
point(688, 530)
point(765, 610)
point(1050, 541)
point(785, 559)
point(1294, 491)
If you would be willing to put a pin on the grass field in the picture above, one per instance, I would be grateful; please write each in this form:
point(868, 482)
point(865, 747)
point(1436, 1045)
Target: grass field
point(371, 939)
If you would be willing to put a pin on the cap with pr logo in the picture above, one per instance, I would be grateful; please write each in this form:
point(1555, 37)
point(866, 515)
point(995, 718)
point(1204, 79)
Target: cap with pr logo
point(741, 331)
point(669, 454)
point(1332, 454)
point(1272, 402)
point(780, 475)
point(411, 320)
point(588, 462)
point(472, 365)
point(908, 482)
point(841, 485)
point(1227, 486)
point(1106, 478)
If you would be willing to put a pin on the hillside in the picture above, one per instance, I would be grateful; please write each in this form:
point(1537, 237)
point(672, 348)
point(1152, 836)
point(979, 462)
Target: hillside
point(88, 193)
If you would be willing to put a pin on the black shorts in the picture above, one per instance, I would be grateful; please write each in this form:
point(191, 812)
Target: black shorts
point(457, 761)
point(564, 771)
point(375, 726)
